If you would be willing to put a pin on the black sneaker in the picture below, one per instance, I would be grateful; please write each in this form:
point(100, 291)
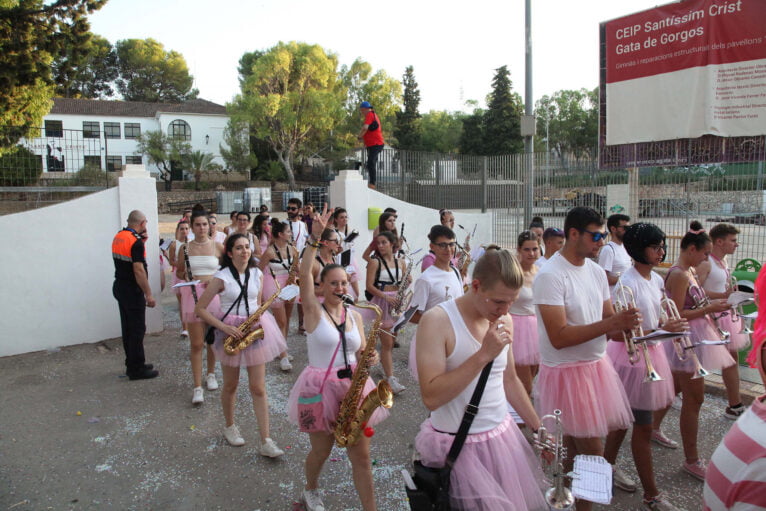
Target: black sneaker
point(145, 374)
point(733, 412)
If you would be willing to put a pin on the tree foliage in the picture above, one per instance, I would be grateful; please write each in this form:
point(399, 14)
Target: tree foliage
point(197, 162)
point(237, 153)
point(502, 120)
point(408, 131)
point(572, 122)
point(32, 34)
point(150, 73)
point(471, 139)
point(162, 150)
point(441, 131)
point(291, 99)
point(19, 167)
point(88, 74)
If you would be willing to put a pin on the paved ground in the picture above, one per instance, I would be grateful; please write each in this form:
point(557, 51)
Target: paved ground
point(76, 434)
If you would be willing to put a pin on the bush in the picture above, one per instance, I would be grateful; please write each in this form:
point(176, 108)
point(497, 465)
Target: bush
point(20, 167)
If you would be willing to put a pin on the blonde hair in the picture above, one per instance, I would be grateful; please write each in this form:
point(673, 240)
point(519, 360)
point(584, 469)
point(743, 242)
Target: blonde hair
point(498, 264)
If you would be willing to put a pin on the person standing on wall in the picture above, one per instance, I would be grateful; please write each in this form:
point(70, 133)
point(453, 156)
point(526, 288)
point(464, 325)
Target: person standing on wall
point(372, 136)
point(133, 294)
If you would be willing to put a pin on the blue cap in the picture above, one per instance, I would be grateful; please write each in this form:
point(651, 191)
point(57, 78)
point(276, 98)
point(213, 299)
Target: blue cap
point(365, 104)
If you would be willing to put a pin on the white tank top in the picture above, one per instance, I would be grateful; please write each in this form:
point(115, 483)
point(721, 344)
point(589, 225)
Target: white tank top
point(231, 291)
point(524, 306)
point(325, 338)
point(203, 265)
point(718, 278)
point(493, 407)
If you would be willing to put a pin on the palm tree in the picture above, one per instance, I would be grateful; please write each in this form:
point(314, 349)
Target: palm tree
point(197, 162)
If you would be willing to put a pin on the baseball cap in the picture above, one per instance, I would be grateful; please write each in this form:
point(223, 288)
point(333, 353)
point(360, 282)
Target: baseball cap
point(365, 104)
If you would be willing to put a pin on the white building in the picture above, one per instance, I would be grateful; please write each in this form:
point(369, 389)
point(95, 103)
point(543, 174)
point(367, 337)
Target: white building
point(103, 134)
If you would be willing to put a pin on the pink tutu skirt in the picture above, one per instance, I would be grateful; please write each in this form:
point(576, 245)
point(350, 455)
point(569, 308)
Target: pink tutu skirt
point(733, 324)
point(188, 303)
point(335, 389)
point(589, 395)
point(495, 471)
point(269, 288)
point(259, 352)
point(387, 320)
point(175, 280)
point(712, 358)
point(643, 395)
point(526, 351)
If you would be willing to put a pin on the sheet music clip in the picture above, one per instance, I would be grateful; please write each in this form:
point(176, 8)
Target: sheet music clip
point(592, 479)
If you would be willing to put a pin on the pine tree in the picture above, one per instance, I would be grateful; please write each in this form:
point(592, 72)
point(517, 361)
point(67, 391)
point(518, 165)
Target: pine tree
point(407, 132)
point(502, 120)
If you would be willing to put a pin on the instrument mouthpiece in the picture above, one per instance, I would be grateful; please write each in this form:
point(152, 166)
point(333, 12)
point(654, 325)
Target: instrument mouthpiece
point(347, 299)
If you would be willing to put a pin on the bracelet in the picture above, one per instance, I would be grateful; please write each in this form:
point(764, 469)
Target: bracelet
point(314, 245)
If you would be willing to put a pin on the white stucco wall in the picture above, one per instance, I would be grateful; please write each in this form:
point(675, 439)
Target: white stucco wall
point(349, 190)
point(57, 270)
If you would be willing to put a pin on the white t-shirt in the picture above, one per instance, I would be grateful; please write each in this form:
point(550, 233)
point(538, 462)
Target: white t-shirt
point(614, 259)
point(540, 262)
point(435, 286)
point(582, 291)
point(300, 233)
point(648, 294)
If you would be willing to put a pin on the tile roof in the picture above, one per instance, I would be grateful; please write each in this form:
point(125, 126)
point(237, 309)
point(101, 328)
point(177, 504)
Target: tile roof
point(132, 108)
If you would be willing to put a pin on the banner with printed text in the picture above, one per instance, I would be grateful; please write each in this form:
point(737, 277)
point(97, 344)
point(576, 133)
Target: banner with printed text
point(684, 70)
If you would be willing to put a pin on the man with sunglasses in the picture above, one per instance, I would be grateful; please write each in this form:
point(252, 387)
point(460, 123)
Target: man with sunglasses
point(571, 295)
point(297, 226)
point(613, 258)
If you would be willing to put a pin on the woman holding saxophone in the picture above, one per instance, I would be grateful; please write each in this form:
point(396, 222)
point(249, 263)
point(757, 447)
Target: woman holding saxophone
point(645, 243)
point(240, 288)
point(335, 338)
point(683, 289)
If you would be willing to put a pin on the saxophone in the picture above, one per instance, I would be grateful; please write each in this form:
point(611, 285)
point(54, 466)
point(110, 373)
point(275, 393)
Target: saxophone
point(464, 260)
point(292, 273)
point(352, 418)
point(404, 294)
point(231, 345)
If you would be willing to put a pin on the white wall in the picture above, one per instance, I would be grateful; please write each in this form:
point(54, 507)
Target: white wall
point(349, 190)
point(57, 270)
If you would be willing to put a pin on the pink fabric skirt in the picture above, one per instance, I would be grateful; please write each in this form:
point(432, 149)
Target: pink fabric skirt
point(712, 358)
point(495, 471)
point(269, 288)
point(733, 324)
point(259, 352)
point(188, 303)
point(387, 320)
point(175, 280)
point(526, 351)
point(310, 381)
point(643, 395)
point(589, 395)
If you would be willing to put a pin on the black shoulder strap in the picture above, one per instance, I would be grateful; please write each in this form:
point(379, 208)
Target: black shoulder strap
point(189, 273)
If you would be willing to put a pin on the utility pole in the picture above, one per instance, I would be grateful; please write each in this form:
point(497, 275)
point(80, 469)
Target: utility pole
point(528, 120)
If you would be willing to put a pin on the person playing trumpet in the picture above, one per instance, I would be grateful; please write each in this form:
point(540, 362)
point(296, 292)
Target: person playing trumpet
point(645, 244)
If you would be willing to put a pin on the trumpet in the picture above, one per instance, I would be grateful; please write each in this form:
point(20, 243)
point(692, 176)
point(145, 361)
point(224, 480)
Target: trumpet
point(701, 300)
point(624, 300)
point(683, 345)
point(558, 496)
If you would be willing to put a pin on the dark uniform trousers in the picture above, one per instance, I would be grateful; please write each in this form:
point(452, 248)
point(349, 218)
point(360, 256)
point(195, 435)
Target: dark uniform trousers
point(132, 304)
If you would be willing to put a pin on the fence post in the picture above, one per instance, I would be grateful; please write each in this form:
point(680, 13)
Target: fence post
point(633, 187)
point(437, 170)
point(483, 184)
point(760, 175)
point(402, 191)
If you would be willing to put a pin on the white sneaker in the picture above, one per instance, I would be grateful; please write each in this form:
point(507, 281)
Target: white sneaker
point(284, 364)
point(396, 387)
point(312, 500)
point(621, 480)
point(199, 397)
point(677, 402)
point(270, 450)
point(211, 382)
point(184, 333)
point(231, 434)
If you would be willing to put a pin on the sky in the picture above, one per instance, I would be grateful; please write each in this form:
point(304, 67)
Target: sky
point(454, 46)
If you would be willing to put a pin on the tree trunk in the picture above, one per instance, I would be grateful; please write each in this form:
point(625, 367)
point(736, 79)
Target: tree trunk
point(284, 159)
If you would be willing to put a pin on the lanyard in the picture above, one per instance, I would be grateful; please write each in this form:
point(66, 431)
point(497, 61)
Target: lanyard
point(243, 288)
point(346, 372)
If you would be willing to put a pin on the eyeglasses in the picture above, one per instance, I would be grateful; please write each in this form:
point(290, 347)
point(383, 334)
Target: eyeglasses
point(291, 208)
point(596, 235)
point(445, 246)
point(332, 241)
point(213, 223)
point(657, 248)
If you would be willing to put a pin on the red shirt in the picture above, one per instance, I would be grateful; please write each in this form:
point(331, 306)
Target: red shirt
point(375, 137)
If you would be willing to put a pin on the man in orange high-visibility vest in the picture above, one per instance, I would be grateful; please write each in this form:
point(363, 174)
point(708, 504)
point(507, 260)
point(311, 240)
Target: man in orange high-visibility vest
point(133, 294)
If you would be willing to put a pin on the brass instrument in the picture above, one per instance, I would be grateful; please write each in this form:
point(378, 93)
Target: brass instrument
point(404, 293)
point(624, 300)
point(683, 345)
point(701, 300)
point(352, 418)
point(292, 273)
point(231, 345)
point(558, 496)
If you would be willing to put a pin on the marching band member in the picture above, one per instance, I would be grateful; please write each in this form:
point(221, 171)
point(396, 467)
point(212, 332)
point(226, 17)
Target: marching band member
point(240, 286)
point(384, 278)
point(386, 223)
point(335, 339)
point(262, 233)
point(575, 314)
point(715, 278)
point(340, 224)
point(202, 254)
point(182, 233)
point(329, 247)
point(680, 282)
point(496, 469)
point(215, 234)
point(526, 352)
point(553, 240)
point(645, 243)
point(279, 258)
point(447, 219)
point(613, 258)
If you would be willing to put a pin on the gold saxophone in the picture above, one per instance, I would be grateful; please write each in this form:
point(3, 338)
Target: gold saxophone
point(463, 261)
point(292, 273)
point(231, 345)
point(352, 418)
point(403, 294)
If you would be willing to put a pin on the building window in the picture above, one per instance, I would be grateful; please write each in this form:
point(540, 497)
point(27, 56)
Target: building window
point(91, 129)
point(93, 162)
point(112, 130)
point(54, 128)
point(132, 130)
point(133, 160)
point(179, 130)
point(113, 163)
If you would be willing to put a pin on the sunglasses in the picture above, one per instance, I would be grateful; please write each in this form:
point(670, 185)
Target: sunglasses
point(292, 209)
point(596, 235)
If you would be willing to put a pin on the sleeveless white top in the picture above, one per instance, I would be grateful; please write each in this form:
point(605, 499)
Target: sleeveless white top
point(231, 291)
point(325, 338)
point(283, 267)
point(203, 265)
point(493, 407)
point(524, 304)
point(718, 279)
